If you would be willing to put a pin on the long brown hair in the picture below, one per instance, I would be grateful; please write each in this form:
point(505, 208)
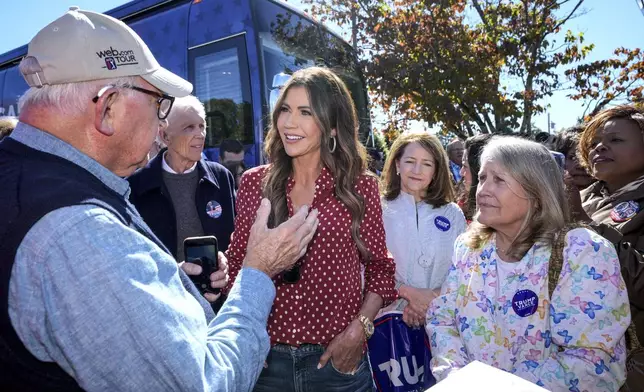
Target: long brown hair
point(440, 190)
point(332, 108)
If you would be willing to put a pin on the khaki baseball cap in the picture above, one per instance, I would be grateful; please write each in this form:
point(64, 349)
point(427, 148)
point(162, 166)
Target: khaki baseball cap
point(82, 46)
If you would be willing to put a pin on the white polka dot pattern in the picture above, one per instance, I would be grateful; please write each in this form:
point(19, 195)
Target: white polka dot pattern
point(329, 293)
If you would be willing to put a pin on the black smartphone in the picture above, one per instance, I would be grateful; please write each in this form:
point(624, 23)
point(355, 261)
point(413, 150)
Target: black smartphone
point(202, 251)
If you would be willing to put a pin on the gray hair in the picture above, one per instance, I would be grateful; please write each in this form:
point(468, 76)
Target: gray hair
point(533, 167)
point(451, 145)
point(185, 103)
point(71, 99)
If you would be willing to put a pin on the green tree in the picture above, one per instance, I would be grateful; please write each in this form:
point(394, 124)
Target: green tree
point(604, 82)
point(473, 69)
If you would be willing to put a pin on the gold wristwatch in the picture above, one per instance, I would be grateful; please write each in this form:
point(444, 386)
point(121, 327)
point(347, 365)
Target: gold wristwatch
point(367, 325)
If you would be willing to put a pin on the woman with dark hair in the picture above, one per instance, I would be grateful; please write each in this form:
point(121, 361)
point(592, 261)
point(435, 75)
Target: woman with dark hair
point(612, 148)
point(237, 169)
point(322, 315)
point(576, 177)
point(470, 173)
point(421, 220)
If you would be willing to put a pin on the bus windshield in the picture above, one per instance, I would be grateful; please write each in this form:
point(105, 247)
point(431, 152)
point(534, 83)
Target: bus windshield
point(290, 42)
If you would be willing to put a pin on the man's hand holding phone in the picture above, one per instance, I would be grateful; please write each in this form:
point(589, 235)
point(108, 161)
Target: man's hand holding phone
point(218, 279)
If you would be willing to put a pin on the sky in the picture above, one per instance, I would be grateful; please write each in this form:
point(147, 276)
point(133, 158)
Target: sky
point(608, 24)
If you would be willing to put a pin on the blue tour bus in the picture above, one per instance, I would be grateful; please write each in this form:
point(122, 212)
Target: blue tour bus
point(236, 53)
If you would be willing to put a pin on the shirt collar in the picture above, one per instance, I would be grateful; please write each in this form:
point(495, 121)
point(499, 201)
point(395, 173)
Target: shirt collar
point(599, 188)
point(168, 169)
point(48, 143)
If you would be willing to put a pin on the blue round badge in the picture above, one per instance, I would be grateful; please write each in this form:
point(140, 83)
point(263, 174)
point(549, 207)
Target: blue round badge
point(213, 209)
point(624, 211)
point(442, 223)
point(525, 303)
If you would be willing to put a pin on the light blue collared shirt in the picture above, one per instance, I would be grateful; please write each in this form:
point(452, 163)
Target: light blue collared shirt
point(456, 171)
point(107, 304)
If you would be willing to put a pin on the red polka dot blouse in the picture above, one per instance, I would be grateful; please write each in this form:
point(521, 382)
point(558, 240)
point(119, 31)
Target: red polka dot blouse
point(328, 295)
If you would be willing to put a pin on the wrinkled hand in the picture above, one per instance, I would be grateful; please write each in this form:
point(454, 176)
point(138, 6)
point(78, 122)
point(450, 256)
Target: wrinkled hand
point(419, 299)
point(275, 250)
point(413, 318)
point(345, 350)
point(218, 279)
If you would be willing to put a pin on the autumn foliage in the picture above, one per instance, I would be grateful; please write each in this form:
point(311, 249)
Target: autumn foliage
point(475, 66)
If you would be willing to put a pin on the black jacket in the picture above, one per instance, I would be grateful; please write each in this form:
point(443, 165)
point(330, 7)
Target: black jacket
point(151, 198)
point(35, 183)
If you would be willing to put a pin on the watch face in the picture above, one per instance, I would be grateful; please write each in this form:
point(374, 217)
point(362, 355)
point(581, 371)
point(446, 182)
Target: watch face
point(370, 329)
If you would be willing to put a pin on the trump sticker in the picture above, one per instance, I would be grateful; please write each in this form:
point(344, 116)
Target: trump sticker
point(213, 209)
point(442, 223)
point(525, 303)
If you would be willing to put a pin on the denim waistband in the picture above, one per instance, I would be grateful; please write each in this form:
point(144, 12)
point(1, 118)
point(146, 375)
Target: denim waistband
point(304, 348)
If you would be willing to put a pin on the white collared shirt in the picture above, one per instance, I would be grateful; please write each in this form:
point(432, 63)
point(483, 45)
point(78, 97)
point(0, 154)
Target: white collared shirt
point(421, 246)
point(168, 169)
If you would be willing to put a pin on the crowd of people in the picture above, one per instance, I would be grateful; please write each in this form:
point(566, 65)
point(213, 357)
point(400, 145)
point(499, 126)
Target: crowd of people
point(499, 252)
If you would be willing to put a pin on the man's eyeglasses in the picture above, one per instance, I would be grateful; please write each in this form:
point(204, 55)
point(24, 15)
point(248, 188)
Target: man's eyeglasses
point(164, 101)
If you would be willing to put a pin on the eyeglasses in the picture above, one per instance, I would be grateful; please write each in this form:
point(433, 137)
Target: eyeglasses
point(291, 276)
point(164, 101)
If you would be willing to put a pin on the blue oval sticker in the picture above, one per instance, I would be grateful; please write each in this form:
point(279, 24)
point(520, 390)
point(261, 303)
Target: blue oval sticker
point(624, 211)
point(525, 303)
point(213, 209)
point(442, 223)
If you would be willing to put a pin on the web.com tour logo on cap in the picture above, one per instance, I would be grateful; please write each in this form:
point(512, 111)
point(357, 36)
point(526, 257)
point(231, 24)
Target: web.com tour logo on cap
point(115, 58)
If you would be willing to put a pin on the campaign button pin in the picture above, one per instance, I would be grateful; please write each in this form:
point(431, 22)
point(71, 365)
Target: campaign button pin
point(213, 209)
point(442, 223)
point(525, 303)
point(624, 211)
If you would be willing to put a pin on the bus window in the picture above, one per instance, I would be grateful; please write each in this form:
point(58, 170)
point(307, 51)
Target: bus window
point(3, 110)
point(342, 58)
point(220, 75)
point(290, 42)
point(14, 87)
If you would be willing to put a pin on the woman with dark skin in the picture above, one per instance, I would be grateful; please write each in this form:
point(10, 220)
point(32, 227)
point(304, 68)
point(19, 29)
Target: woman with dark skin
point(612, 148)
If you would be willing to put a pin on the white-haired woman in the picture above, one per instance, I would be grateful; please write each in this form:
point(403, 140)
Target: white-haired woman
point(498, 304)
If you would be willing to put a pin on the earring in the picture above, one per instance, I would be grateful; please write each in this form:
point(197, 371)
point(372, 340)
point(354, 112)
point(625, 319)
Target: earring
point(332, 149)
point(397, 172)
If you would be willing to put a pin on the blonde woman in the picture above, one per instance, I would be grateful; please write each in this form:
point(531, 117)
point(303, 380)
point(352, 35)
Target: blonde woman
point(496, 306)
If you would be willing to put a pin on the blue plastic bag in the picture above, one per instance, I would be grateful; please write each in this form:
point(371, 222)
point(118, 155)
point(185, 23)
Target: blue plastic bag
point(399, 355)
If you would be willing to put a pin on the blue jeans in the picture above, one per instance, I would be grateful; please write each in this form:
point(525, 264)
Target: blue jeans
point(294, 369)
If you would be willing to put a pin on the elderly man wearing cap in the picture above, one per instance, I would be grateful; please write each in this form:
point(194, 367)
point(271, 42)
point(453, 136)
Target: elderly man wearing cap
point(91, 299)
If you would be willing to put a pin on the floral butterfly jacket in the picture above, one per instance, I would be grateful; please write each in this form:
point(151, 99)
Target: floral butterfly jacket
point(572, 342)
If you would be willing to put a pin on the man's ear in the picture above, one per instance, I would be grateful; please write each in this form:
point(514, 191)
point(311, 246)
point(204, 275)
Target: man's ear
point(104, 111)
point(163, 134)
